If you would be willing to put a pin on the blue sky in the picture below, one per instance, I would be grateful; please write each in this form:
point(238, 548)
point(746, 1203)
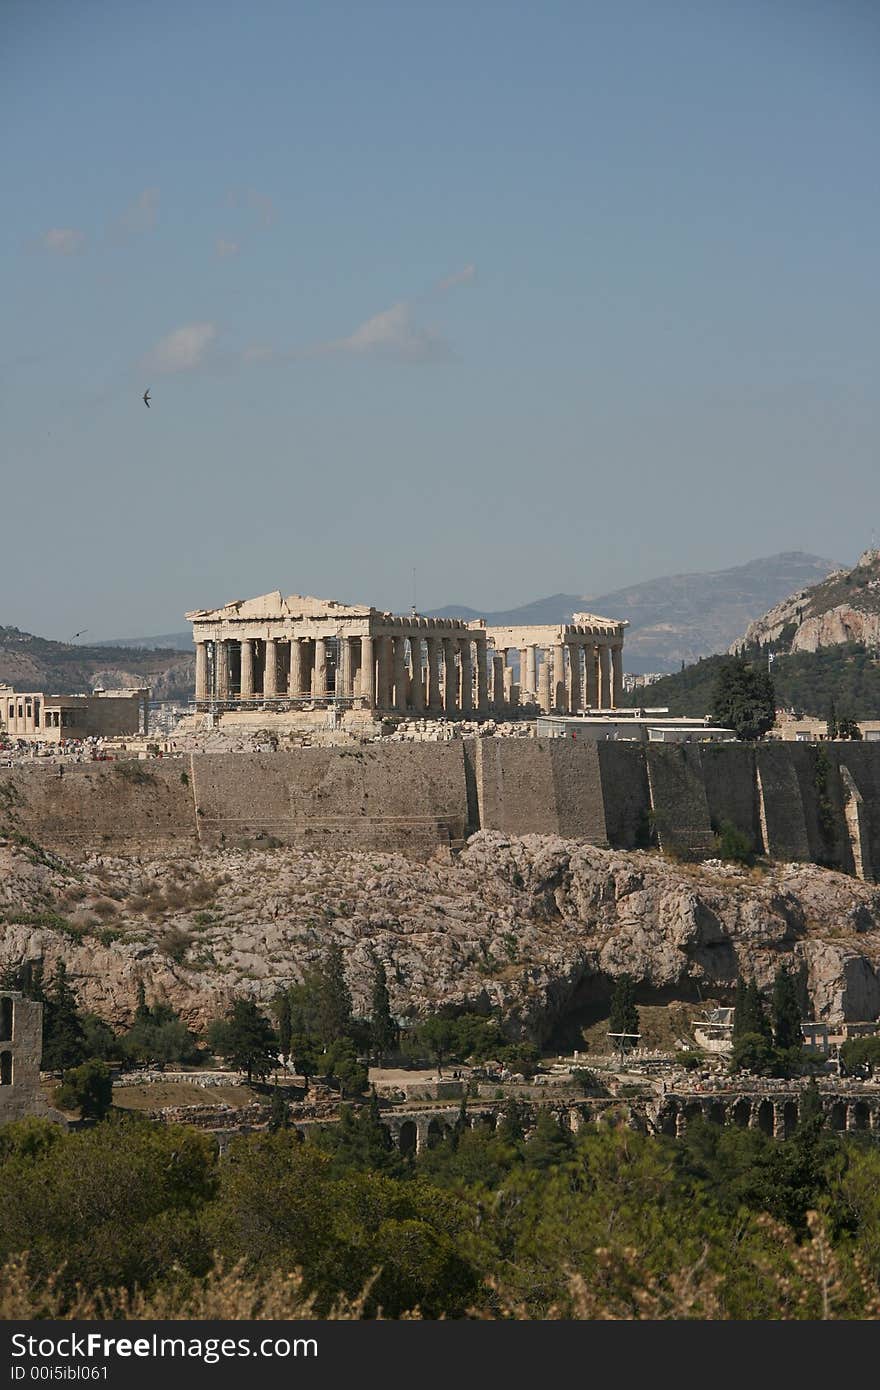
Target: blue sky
point(525, 297)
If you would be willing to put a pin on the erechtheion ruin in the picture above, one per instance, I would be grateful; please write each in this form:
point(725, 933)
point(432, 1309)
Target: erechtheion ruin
point(294, 653)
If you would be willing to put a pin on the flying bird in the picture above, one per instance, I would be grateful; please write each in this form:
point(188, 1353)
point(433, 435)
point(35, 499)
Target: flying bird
point(147, 398)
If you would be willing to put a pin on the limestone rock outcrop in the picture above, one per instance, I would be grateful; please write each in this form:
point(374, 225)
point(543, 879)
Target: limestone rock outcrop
point(537, 925)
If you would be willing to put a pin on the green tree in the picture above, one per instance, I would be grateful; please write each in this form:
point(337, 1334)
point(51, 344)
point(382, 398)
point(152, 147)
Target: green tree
point(342, 1064)
point(859, 1053)
point(100, 1040)
point(279, 1112)
point(87, 1088)
point(848, 728)
point(321, 1005)
point(245, 1039)
point(749, 1016)
point(753, 1053)
point(158, 1035)
point(743, 698)
point(787, 1033)
point(624, 1016)
point(64, 1041)
point(831, 725)
point(284, 1019)
point(438, 1036)
point(384, 1032)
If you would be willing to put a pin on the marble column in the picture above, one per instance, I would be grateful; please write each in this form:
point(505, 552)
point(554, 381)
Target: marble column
point(591, 662)
point(523, 672)
point(351, 665)
point(449, 675)
point(531, 672)
point(246, 687)
point(201, 671)
point(319, 683)
point(416, 684)
point(435, 696)
point(617, 675)
point(399, 674)
point(295, 684)
point(511, 689)
point(558, 689)
point(604, 675)
point(368, 673)
point(482, 675)
point(270, 670)
point(221, 659)
point(467, 677)
point(544, 695)
point(384, 673)
point(574, 677)
point(498, 700)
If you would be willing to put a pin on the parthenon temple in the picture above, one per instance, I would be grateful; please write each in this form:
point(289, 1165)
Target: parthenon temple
point(296, 652)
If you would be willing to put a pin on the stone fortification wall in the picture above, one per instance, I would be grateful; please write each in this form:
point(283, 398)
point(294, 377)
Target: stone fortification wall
point(678, 799)
point(731, 788)
point(796, 802)
point(626, 796)
point(405, 797)
point(863, 765)
point(95, 803)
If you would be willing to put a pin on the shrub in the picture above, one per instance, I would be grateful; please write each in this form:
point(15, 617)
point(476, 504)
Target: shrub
point(734, 845)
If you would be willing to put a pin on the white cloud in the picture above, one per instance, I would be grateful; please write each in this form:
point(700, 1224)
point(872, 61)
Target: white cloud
point(143, 214)
point(460, 277)
point(258, 352)
point(183, 349)
point(224, 248)
point(139, 217)
point(393, 334)
point(260, 203)
point(63, 241)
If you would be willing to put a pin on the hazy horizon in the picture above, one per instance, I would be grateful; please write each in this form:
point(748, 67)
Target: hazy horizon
point(532, 300)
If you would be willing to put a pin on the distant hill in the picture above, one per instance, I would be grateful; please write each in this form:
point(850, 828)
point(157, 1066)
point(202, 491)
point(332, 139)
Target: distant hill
point(806, 682)
point(167, 641)
point(62, 668)
point(842, 608)
point(680, 617)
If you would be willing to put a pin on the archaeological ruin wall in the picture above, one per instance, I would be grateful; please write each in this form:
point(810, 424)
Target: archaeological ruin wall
point(793, 802)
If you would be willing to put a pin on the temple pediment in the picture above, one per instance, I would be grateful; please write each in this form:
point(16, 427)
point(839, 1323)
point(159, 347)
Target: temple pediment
point(273, 606)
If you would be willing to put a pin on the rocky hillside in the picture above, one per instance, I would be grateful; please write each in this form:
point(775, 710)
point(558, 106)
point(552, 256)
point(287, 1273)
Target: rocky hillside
point(539, 926)
point(680, 617)
point(62, 668)
point(843, 608)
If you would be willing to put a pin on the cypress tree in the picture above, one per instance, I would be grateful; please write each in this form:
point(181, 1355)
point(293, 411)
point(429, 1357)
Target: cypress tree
point(333, 1002)
point(384, 1032)
point(624, 1014)
point(64, 1040)
point(786, 1011)
point(284, 1017)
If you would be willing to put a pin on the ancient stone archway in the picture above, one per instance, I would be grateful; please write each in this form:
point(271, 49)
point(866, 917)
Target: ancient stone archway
point(741, 1112)
point(837, 1118)
point(407, 1137)
point(790, 1116)
point(765, 1117)
point(436, 1133)
point(716, 1112)
point(861, 1115)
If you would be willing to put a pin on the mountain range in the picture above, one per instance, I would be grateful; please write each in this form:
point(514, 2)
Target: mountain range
point(680, 617)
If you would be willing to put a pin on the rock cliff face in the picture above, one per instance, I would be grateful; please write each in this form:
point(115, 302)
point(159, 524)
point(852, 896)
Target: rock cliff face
point(537, 925)
point(845, 607)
